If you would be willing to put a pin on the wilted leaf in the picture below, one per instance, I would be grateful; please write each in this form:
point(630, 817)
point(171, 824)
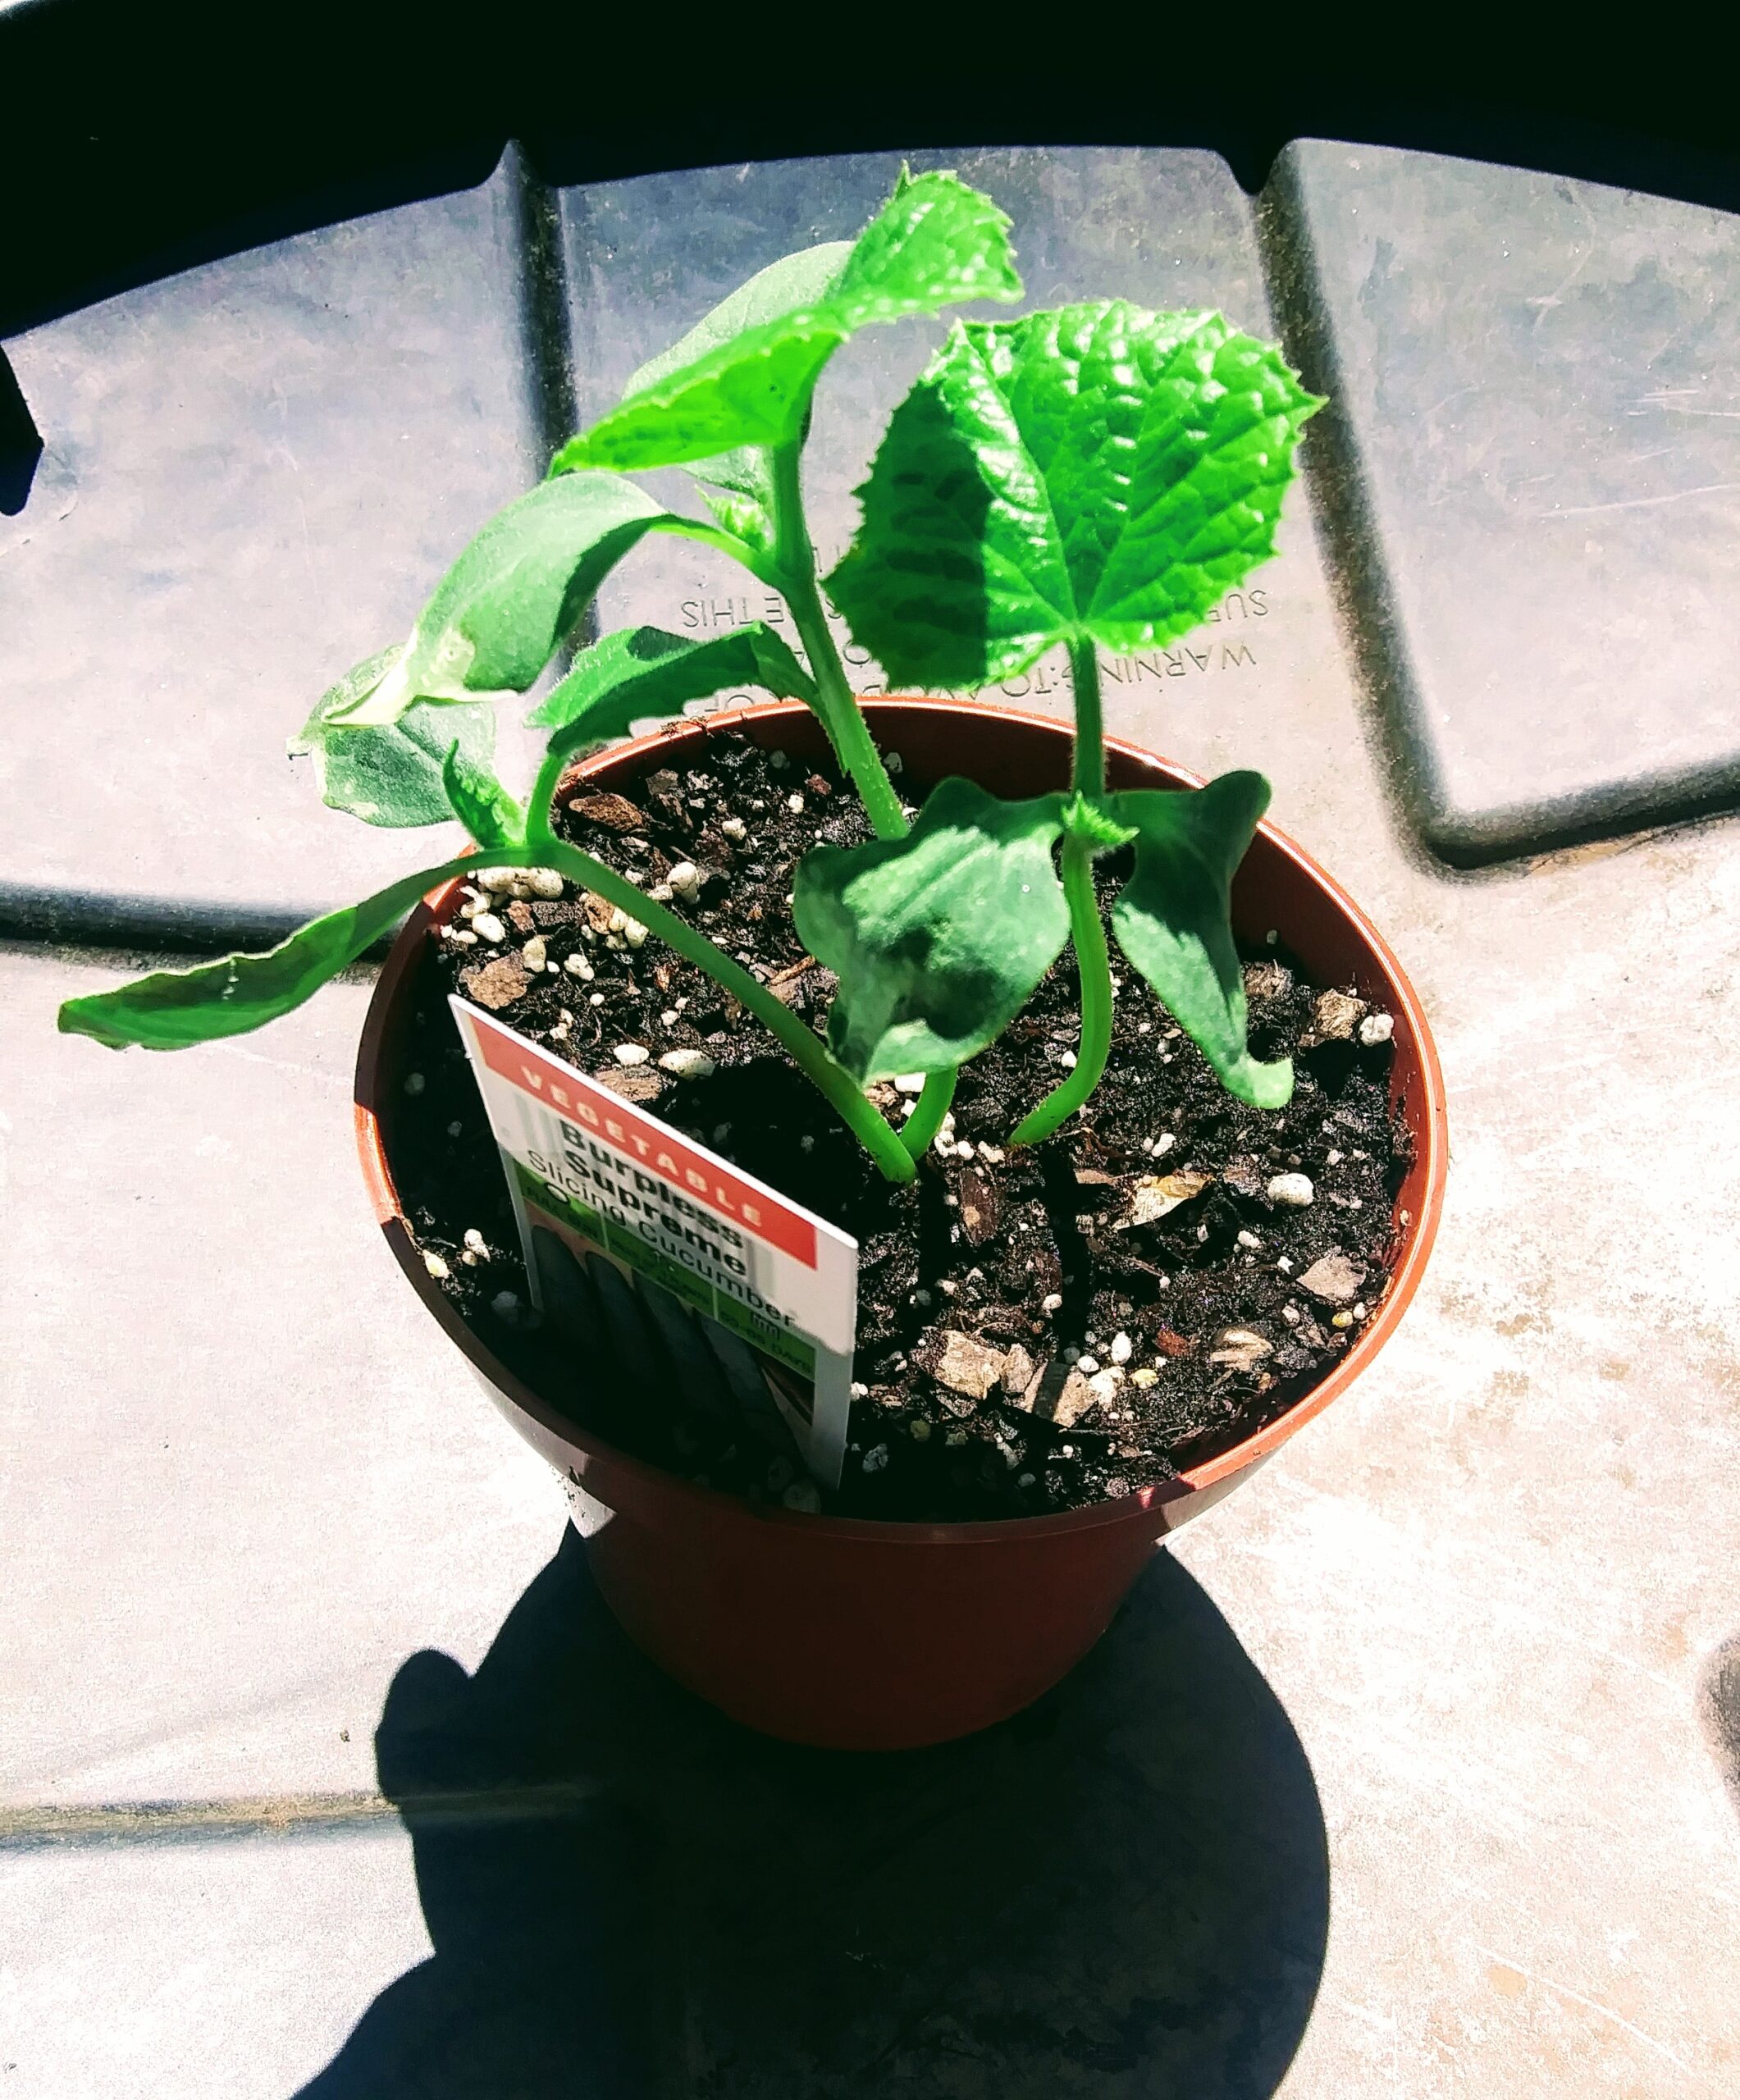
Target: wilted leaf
point(516, 594)
point(389, 774)
point(172, 1008)
point(1155, 1196)
point(489, 813)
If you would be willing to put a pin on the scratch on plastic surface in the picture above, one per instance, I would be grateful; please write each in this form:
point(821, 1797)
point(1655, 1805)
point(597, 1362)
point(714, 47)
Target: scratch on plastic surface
point(1546, 301)
point(1616, 1655)
point(1521, 1617)
point(1499, 1055)
point(1665, 401)
point(279, 1064)
point(17, 537)
point(1594, 2005)
point(1637, 502)
point(1384, 2022)
point(282, 450)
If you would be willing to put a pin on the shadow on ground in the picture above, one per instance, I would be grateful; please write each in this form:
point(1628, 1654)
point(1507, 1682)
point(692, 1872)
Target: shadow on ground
point(1719, 1709)
point(1125, 1891)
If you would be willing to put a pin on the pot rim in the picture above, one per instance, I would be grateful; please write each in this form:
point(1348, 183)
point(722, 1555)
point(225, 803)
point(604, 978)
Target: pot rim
point(1417, 1237)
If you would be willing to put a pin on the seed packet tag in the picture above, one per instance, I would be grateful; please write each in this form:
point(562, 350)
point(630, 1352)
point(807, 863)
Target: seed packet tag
point(617, 1185)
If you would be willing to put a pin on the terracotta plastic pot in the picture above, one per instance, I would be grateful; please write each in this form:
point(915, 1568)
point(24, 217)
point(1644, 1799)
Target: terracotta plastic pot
point(875, 1635)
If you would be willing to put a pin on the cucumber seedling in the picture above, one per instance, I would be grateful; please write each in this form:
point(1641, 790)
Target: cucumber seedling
point(1095, 477)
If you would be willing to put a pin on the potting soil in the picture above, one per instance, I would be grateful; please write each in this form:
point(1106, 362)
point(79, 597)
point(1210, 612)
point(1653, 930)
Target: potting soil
point(1038, 1329)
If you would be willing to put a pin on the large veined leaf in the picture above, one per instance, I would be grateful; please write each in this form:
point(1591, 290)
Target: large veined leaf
point(939, 938)
point(935, 243)
point(515, 594)
point(390, 774)
point(640, 672)
point(1096, 473)
point(170, 1009)
point(1172, 919)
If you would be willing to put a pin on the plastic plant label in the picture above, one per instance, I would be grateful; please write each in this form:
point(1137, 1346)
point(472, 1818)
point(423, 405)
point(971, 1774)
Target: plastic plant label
point(617, 1185)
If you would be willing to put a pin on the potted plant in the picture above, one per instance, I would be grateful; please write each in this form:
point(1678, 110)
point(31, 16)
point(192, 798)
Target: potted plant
point(1129, 1207)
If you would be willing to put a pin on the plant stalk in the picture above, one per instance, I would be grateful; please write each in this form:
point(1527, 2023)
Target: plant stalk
point(847, 731)
point(1087, 930)
point(1088, 767)
point(805, 1048)
point(895, 1154)
point(921, 1126)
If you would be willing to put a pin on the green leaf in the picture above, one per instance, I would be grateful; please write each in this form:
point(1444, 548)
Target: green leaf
point(795, 281)
point(935, 243)
point(752, 391)
point(490, 815)
point(516, 594)
point(938, 938)
point(642, 672)
point(389, 774)
point(956, 567)
point(748, 517)
point(1172, 920)
point(170, 1009)
point(1097, 473)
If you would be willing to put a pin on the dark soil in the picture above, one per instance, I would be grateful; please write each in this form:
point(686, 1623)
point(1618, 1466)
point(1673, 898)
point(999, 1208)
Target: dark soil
point(1025, 1267)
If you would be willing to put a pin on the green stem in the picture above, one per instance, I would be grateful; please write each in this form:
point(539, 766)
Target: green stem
point(792, 572)
point(800, 1042)
point(848, 732)
point(1087, 930)
point(727, 543)
point(539, 825)
point(1088, 773)
point(921, 1126)
point(1088, 934)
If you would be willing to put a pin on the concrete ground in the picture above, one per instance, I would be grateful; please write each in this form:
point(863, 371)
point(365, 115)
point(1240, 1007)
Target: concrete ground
point(1411, 1769)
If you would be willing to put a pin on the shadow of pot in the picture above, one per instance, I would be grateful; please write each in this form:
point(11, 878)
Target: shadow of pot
point(856, 1635)
point(1116, 1892)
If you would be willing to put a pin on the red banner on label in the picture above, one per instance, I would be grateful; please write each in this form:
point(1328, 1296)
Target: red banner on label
point(601, 1114)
